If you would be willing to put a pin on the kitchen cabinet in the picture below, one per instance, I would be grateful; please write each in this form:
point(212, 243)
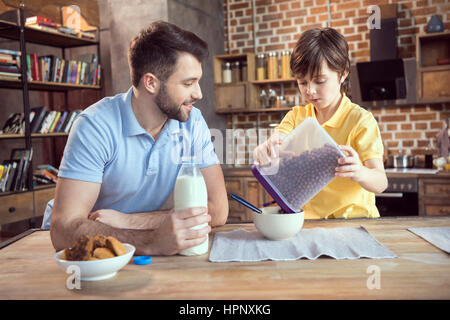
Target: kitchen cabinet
point(434, 196)
point(238, 94)
point(16, 207)
point(19, 206)
point(433, 67)
point(243, 96)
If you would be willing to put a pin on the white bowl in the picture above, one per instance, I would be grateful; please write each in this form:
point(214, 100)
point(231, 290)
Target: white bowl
point(278, 226)
point(98, 269)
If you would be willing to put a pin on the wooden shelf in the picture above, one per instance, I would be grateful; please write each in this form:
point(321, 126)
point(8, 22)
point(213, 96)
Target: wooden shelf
point(44, 186)
point(258, 110)
point(269, 81)
point(34, 135)
point(11, 31)
point(45, 86)
point(435, 68)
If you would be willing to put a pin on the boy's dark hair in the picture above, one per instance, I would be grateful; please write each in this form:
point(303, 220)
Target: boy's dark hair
point(156, 49)
point(317, 45)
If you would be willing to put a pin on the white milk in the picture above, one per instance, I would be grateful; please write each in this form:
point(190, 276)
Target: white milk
point(190, 191)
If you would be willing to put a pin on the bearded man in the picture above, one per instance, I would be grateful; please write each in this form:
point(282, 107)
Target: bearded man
point(124, 152)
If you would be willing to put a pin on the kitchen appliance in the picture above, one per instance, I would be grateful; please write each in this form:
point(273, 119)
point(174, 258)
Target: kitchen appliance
point(400, 198)
point(382, 80)
point(372, 85)
point(400, 161)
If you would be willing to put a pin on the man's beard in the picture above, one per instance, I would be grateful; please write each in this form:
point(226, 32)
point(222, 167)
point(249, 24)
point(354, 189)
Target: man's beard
point(168, 106)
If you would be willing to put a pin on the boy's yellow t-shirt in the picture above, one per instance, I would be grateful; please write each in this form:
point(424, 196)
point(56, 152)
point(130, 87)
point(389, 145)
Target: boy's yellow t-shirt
point(353, 126)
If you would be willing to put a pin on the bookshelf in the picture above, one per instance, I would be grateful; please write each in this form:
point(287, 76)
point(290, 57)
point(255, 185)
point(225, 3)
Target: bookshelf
point(30, 202)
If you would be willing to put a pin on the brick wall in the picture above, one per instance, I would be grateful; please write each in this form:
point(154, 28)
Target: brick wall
point(278, 24)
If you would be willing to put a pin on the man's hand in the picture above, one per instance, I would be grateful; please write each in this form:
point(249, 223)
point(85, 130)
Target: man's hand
point(174, 234)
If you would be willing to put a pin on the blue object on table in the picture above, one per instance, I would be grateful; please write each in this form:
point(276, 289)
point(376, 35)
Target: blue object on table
point(142, 260)
point(245, 203)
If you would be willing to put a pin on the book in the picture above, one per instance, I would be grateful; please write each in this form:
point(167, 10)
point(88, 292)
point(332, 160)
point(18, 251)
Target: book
point(55, 121)
point(4, 177)
point(38, 118)
point(2, 169)
point(10, 75)
point(61, 70)
point(77, 81)
point(62, 119)
point(37, 19)
point(74, 72)
point(40, 180)
point(48, 167)
point(35, 67)
point(9, 68)
point(41, 68)
point(48, 121)
point(29, 73)
point(24, 156)
point(70, 121)
point(82, 72)
point(46, 172)
point(67, 30)
point(12, 173)
point(10, 52)
point(87, 35)
point(64, 71)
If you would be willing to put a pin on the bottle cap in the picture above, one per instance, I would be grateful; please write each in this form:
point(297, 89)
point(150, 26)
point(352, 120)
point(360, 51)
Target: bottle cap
point(142, 260)
point(188, 159)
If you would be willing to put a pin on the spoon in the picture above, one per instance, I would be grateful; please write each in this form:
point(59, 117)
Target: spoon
point(245, 203)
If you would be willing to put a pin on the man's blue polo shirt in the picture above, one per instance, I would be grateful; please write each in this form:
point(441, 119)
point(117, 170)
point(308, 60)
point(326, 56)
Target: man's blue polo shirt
point(107, 145)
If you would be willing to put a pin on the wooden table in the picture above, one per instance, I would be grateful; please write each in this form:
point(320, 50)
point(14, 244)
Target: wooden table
point(421, 271)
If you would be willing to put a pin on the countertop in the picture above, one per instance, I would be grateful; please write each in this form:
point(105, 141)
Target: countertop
point(421, 271)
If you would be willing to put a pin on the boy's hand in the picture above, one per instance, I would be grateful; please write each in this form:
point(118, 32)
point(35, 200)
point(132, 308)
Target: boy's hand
point(350, 166)
point(265, 152)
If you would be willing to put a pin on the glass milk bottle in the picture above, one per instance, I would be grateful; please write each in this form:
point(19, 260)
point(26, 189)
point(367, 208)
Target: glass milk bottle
point(190, 191)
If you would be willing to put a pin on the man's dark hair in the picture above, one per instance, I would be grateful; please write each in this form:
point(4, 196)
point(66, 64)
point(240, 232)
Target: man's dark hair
point(156, 50)
point(317, 45)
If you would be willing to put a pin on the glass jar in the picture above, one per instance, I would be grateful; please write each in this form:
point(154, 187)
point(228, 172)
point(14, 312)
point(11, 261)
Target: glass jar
point(263, 99)
point(272, 66)
point(261, 67)
point(236, 72)
point(244, 75)
point(285, 68)
point(272, 98)
point(278, 102)
point(226, 73)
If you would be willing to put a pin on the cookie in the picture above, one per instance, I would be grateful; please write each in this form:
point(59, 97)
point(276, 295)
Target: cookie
point(103, 253)
point(63, 255)
point(99, 241)
point(115, 246)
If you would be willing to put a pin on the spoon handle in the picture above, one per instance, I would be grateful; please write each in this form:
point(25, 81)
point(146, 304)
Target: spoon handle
point(245, 203)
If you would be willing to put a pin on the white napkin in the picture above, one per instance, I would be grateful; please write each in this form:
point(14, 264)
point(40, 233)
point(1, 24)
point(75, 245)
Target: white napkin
point(338, 243)
point(437, 236)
